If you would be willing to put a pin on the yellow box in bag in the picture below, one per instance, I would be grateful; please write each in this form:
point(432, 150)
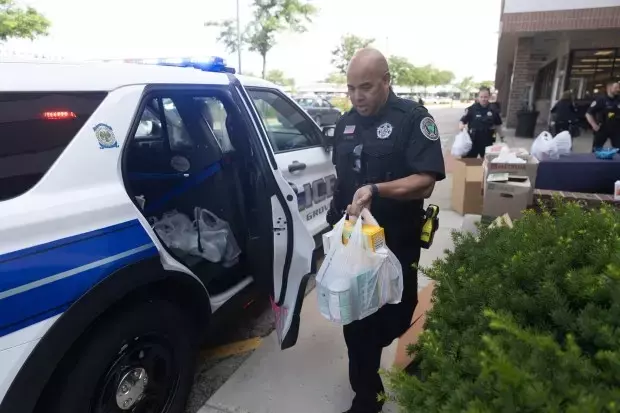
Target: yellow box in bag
point(374, 236)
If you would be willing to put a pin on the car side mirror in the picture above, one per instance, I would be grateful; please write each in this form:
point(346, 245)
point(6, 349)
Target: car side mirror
point(328, 135)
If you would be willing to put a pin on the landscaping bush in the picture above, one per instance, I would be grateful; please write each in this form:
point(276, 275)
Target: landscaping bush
point(524, 320)
point(344, 104)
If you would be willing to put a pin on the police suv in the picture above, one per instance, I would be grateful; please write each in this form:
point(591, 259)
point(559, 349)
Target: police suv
point(101, 310)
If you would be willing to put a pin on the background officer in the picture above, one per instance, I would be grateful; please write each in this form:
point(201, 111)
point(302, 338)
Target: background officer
point(604, 117)
point(483, 121)
point(565, 113)
point(388, 157)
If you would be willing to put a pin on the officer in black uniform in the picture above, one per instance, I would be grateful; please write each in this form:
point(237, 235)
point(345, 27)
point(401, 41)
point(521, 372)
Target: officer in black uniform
point(483, 122)
point(604, 117)
point(388, 157)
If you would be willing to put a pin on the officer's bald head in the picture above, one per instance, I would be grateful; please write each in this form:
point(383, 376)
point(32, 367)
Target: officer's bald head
point(368, 81)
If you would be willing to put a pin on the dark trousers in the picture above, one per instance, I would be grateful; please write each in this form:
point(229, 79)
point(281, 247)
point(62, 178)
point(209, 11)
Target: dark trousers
point(480, 141)
point(561, 126)
point(611, 132)
point(366, 338)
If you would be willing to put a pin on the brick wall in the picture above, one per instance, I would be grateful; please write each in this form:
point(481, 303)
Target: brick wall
point(525, 66)
point(557, 20)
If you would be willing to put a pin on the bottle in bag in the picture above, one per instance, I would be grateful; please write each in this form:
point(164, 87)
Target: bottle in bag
point(340, 305)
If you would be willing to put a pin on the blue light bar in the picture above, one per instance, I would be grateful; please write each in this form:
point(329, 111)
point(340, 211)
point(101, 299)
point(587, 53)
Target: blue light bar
point(206, 64)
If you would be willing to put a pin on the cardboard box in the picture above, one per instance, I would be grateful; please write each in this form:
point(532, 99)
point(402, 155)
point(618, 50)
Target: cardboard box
point(467, 178)
point(374, 236)
point(529, 169)
point(509, 197)
point(497, 148)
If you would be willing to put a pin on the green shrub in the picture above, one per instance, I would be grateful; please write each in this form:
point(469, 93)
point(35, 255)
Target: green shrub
point(524, 320)
point(344, 104)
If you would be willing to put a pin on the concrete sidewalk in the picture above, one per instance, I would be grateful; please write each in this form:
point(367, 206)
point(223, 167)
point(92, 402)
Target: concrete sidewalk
point(313, 376)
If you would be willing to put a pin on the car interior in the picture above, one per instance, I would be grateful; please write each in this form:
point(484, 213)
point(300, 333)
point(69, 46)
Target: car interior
point(189, 155)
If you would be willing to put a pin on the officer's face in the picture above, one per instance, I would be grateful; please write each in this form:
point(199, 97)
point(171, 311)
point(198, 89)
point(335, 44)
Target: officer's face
point(367, 90)
point(483, 98)
point(614, 89)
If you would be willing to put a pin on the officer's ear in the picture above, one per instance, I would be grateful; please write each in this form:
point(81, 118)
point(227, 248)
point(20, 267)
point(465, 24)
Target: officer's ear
point(387, 78)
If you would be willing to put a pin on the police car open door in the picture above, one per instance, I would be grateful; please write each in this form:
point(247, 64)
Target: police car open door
point(293, 244)
point(302, 159)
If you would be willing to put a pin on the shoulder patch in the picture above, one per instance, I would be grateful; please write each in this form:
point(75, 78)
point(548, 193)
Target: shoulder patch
point(593, 103)
point(429, 128)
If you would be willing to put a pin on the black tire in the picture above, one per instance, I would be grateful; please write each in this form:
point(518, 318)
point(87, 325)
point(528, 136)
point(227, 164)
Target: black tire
point(88, 379)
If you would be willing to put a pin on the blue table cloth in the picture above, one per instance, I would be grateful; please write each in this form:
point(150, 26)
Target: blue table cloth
point(579, 172)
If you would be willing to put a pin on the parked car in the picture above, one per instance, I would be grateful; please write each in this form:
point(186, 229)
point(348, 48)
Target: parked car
point(321, 110)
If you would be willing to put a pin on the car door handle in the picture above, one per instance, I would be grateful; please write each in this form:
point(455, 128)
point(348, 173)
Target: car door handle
point(296, 166)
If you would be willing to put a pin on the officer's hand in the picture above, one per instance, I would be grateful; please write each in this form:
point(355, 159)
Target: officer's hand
point(596, 127)
point(361, 200)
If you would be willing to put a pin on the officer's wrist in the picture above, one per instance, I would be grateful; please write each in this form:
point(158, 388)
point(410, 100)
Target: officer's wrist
point(374, 190)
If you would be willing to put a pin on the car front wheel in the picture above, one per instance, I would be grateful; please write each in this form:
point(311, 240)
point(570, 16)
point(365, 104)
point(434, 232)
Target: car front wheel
point(140, 359)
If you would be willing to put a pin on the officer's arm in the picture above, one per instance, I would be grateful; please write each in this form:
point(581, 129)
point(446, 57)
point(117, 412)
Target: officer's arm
point(465, 118)
point(424, 160)
point(335, 213)
point(497, 119)
point(594, 108)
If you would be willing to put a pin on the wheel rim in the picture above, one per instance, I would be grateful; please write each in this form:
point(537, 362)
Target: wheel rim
point(142, 378)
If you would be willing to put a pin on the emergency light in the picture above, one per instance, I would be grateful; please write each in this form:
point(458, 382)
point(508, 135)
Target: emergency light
point(207, 64)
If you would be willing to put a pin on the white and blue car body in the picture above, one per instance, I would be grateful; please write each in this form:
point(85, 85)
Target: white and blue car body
point(85, 280)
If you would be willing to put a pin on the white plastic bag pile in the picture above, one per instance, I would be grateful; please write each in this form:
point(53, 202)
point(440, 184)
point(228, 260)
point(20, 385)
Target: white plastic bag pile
point(207, 236)
point(546, 146)
point(507, 156)
point(354, 282)
point(462, 144)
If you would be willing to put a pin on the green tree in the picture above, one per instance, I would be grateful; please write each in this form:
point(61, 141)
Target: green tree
point(349, 44)
point(228, 34)
point(486, 83)
point(425, 76)
point(278, 77)
point(336, 78)
point(21, 23)
point(401, 71)
point(269, 18)
point(465, 86)
point(441, 77)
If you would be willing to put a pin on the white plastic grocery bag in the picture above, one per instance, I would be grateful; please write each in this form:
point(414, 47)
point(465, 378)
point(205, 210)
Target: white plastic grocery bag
point(176, 231)
point(462, 144)
point(215, 240)
point(545, 147)
point(354, 282)
point(563, 142)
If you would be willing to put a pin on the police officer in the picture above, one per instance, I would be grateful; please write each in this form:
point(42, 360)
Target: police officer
point(388, 157)
point(482, 120)
point(604, 117)
point(565, 113)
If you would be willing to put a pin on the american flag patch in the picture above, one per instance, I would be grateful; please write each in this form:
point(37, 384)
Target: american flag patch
point(349, 129)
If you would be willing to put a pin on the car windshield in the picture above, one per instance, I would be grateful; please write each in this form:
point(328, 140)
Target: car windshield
point(305, 101)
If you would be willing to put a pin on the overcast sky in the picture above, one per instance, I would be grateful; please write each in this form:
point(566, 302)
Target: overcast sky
point(451, 34)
